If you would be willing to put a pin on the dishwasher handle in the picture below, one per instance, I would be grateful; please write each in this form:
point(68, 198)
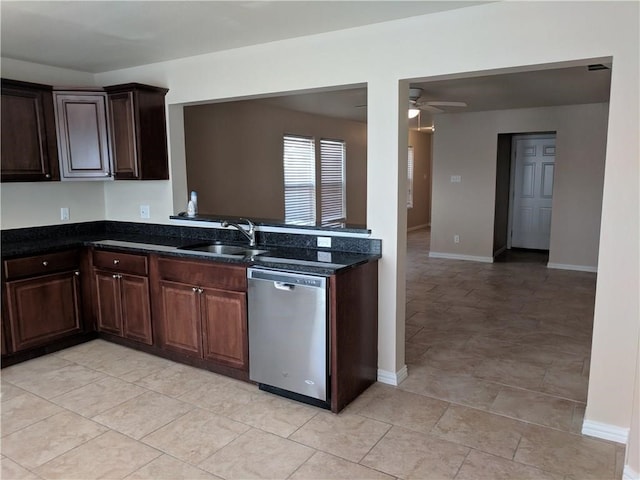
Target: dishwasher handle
point(283, 286)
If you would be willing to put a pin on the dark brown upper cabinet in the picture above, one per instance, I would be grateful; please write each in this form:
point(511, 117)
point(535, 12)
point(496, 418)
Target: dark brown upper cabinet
point(137, 124)
point(83, 141)
point(29, 149)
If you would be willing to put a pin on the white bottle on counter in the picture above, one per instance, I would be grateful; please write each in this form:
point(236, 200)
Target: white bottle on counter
point(194, 199)
point(192, 205)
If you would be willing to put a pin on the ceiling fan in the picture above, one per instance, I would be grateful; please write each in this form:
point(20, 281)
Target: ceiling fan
point(415, 104)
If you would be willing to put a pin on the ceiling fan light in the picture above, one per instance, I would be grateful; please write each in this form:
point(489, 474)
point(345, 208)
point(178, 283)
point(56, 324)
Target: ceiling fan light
point(413, 112)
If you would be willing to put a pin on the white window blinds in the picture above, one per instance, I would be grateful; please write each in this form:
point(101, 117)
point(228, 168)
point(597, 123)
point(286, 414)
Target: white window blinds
point(332, 181)
point(410, 179)
point(299, 180)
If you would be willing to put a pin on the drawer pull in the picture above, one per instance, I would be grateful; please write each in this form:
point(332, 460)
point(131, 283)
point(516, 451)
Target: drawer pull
point(45, 263)
point(116, 261)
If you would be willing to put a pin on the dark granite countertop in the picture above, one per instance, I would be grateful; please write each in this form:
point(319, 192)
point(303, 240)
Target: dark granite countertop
point(330, 227)
point(281, 257)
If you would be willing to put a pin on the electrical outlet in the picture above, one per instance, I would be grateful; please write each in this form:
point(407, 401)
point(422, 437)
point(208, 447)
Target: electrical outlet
point(145, 211)
point(456, 239)
point(64, 213)
point(456, 179)
point(324, 242)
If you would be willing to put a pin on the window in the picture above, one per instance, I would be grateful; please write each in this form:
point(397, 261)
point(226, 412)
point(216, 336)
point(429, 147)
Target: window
point(300, 167)
point(410, 179)
point(332, 181)
point(299, 180)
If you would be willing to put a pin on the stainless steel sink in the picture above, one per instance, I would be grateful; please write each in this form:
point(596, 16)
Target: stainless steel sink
point(226, 250)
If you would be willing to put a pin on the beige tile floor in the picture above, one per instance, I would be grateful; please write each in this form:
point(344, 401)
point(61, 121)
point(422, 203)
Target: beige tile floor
point(498, 358)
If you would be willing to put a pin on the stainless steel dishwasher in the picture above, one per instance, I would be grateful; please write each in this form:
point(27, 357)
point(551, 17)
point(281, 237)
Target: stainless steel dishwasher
point(288, 334)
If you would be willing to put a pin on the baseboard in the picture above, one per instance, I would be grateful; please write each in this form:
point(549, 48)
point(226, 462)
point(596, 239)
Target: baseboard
point(630, 474)
point(418, 227)
point(456, 256)
point(605, 431)
point(577, 268)
point(390, 378)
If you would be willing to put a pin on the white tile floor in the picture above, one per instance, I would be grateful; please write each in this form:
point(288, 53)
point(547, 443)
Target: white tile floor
point(498, 358)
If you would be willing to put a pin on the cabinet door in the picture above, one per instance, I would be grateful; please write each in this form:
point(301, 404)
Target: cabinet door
point(123, 135)
point(82, 136)
point(136, 312)
point(224, 317)
point(28, 147)
point(108, 305)
point(43, 309)
point(180, 318)
point(138, 131)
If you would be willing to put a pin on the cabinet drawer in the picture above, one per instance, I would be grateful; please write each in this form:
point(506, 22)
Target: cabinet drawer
point(41, 264)
point(204, 273)
point(120, 262)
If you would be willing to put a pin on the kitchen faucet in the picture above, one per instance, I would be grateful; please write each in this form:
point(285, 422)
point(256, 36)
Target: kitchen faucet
point(250, 234)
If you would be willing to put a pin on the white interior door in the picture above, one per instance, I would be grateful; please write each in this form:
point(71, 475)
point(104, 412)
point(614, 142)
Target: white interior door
point(532, 191)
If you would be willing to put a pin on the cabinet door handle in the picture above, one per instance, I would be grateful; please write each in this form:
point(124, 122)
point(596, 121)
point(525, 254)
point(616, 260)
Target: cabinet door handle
point(195, 289)
point(200, 290)
point(116, 275)
point(76, 273)
point(45, 263)
point(116, 261)
point(48, 175)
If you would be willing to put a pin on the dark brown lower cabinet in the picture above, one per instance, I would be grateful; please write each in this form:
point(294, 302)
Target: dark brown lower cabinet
point(224, 327)
point(122, 306)
point(201, 310)
point(41, 300)
point(180, 318)
point(43, 309)
point(122, 303)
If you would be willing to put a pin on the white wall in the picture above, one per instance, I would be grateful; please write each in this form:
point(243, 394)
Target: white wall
point(465, 144)
point(492, 36)
point(37, 204)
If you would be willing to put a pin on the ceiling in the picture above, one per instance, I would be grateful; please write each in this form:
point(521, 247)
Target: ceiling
point(538, 88)
point(99, 36)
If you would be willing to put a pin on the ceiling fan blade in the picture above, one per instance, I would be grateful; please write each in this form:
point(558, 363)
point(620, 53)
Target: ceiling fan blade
point(446, 104)
point(431, 109)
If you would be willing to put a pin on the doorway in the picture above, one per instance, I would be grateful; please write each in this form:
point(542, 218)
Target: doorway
point(531, 186)
point(525, 168)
